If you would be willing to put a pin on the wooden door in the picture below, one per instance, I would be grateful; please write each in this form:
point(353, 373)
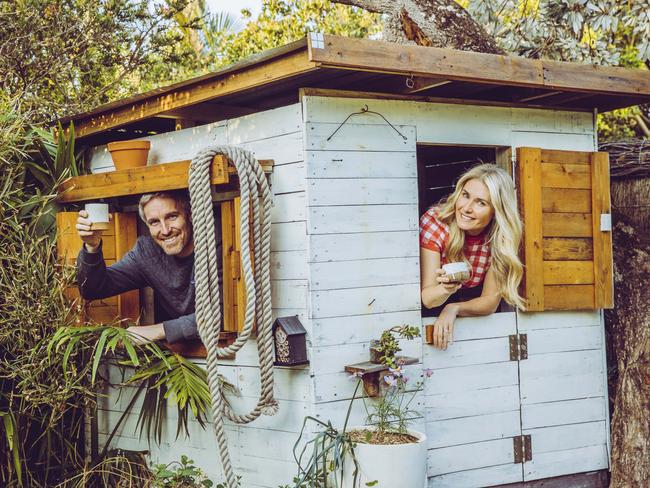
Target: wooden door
point(473, 414)
point(565, 205)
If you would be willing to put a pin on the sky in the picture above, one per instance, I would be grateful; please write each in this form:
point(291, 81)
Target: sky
point(234, 6)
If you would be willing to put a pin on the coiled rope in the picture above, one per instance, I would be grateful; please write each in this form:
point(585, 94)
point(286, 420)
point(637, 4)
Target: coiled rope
point(256, 202)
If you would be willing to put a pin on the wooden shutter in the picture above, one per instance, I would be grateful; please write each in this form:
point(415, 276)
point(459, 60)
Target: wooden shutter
point(567, 257)
point(234, 291)
point(116, 241)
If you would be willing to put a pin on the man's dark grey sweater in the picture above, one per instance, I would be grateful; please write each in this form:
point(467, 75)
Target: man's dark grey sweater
point(146, 264)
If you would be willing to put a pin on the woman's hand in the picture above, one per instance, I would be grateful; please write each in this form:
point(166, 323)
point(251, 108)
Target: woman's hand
point(450, 287)
point(443, 328)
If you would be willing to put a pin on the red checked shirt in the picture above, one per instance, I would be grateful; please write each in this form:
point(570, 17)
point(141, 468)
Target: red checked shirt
point(434, 235)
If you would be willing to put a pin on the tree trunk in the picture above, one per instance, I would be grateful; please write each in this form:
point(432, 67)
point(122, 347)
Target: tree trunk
point(437, 23)
point(628, 334)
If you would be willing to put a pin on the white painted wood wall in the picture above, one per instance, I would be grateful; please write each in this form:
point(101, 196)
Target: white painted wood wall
point(261, 451)
point(346, 259)
point(363, 218)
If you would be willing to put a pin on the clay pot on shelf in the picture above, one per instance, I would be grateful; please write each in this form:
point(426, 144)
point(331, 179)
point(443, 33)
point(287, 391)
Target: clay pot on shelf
point(129, 154)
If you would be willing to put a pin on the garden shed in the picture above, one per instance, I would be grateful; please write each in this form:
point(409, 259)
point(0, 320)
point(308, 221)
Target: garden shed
point(364, 136)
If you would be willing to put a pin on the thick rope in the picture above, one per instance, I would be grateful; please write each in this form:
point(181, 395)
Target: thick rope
point(255, 193)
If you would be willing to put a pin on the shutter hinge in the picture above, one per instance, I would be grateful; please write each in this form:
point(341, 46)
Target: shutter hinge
point(522, 447)
point(518, 347)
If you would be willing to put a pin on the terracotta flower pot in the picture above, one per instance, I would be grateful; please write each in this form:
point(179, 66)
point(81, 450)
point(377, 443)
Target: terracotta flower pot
point(129, 154)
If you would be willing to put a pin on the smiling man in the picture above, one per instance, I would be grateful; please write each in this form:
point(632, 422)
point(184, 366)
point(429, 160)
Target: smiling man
point(163, 260)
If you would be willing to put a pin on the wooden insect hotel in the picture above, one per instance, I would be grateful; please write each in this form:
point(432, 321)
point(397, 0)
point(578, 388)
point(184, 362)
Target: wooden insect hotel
point(360, 137)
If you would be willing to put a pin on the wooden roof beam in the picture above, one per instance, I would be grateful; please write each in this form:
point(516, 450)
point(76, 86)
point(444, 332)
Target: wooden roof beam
point(370, 55)
point(202, 90)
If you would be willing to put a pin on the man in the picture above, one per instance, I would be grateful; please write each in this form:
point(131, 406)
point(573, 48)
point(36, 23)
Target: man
point(164, 260)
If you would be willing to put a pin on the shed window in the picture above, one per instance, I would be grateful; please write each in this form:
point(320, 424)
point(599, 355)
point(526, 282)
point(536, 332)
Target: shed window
point(439, 168)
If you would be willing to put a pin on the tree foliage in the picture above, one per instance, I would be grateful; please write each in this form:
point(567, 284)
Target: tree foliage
point(63, 56)
point(283, 21)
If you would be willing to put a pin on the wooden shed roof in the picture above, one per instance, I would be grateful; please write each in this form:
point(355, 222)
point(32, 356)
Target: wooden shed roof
point(351, 67)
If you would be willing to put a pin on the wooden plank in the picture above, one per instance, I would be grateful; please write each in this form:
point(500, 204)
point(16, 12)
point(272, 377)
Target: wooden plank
point(358, 328)
point(567, 249)
point(568, 272)
point(366, 272)
point(362, 191)
point(603, 258)
point(229, 81)
point(68, 243)
point(566, 462)
point(564, 437)
point(364, 218)
point(564, 339)
point(471, 478)
point(501, 324)
point(475, 377)
point(228, 248)
point(450, 64)
point(541, 390)
point(360, 137)
point(563, 412)
point(366, 245)
point(530, 202)
point(470, 456)
point(569, 297)
point(485, 401)
point(237, 265)
point(361, 301)
point(595, 479)
point(550, 366)
point(557, 156)
point(527, 322)
point(126, 234)
point(567, 225)
point(466, 353)
point(564, 175)
point(148, 179)
point(361, 164)
point(289, 236)
point(464, 430)
point(566, 200)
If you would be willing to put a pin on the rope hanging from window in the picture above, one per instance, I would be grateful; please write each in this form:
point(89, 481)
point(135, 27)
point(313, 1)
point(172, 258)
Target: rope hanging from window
point(256, 203)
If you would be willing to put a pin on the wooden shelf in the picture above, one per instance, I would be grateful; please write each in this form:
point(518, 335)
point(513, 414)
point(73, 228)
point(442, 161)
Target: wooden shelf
point(148, 179)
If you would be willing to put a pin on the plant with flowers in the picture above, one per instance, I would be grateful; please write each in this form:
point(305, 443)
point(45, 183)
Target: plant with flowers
point(393, 410)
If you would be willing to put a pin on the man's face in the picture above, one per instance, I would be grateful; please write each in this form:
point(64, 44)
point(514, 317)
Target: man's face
point(169, 226)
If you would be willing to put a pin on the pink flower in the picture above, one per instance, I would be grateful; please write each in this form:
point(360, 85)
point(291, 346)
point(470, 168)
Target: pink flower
point(390, 380)
point(427, 372)
point(397, 372)
point(356, 375)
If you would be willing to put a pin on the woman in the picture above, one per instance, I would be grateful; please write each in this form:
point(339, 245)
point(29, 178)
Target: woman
point(480, 225)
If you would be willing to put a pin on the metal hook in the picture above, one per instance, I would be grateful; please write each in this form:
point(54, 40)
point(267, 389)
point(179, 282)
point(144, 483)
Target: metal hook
point(410, 82)
point(366, 110)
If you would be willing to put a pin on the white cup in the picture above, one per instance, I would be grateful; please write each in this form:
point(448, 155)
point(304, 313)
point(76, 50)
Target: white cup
point(98, 215)
point(457, 272)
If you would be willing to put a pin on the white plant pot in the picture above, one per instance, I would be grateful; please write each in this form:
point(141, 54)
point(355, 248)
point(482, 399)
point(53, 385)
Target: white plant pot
point(392, 466)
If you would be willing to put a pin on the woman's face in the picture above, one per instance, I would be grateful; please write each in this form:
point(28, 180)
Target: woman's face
point(474, 210)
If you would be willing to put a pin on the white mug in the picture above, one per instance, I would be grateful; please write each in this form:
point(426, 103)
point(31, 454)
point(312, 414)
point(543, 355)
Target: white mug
point(98, 215)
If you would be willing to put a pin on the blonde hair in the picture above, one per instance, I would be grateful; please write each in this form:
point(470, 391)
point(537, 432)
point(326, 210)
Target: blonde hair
point(504, 232)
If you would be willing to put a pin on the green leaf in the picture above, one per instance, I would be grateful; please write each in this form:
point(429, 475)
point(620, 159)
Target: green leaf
point(99, 352)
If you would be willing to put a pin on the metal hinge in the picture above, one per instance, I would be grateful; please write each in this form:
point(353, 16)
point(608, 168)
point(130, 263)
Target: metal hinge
point(522, 447)
point(518, 347)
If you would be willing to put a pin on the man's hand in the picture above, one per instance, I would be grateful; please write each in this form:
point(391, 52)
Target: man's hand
point(91, 238)
point(144, 334)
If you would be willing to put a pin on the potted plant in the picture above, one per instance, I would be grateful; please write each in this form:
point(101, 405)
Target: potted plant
point(385, 453)
point(388, 453)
